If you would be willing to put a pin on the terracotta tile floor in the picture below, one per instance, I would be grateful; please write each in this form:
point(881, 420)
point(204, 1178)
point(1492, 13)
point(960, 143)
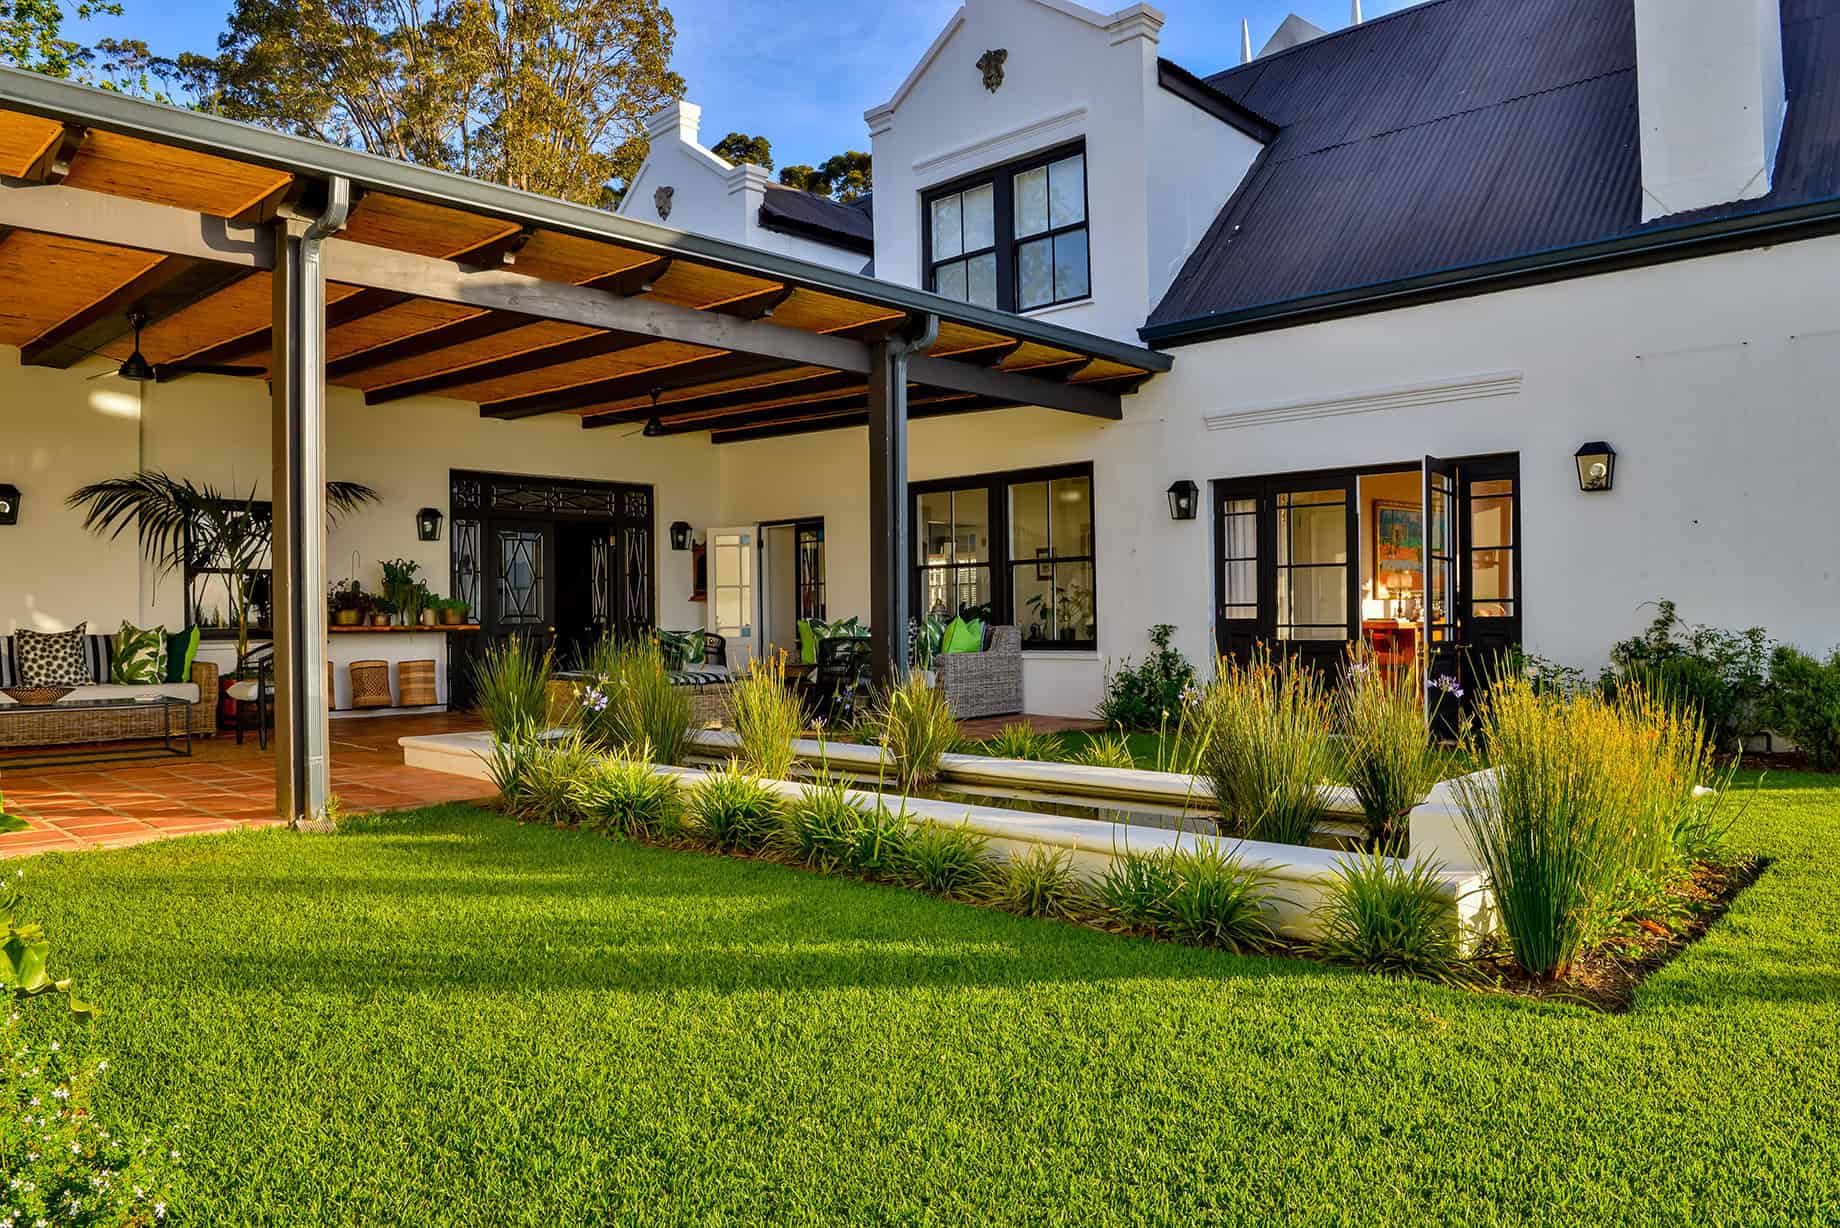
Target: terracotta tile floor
point(221, 788)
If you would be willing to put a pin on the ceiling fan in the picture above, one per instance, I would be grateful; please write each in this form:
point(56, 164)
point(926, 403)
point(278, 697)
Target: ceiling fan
point(136, 367)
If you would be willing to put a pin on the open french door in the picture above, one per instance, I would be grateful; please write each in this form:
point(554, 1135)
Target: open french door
point(732, 563)
point(1472, 569)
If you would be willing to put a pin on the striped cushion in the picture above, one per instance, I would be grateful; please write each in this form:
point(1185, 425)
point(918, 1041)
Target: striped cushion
point(700, 677)
point(9, 673)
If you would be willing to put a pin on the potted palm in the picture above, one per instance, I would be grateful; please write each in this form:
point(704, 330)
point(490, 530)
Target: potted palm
point(177, 519)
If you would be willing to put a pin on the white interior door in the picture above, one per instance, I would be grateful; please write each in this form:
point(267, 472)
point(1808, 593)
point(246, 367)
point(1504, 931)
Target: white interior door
point(732, 562)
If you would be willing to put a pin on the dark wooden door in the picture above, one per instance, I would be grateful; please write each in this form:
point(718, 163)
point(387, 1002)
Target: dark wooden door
point(519, 594)
point(1489, 573)
point(1238, 571)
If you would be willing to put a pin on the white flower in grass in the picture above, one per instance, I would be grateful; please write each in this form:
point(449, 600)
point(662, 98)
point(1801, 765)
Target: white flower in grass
point(159, 1210)
point(54, 1046)
point(102, 1065)
point(62, 1093)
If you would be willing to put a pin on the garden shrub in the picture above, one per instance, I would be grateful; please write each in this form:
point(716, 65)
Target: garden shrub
point(511, 686)
point(820, 827)
point(1804, 703)
point(1269, 753)
point(1388, 759)
point(1038, 883)
point(732, 810)
point(623, 794)
point(1144, 696)
point(1215, 900)
point(877, 847)
point(948, 861)
point(914, 723)
point(1110, 751)
point(1720, 673)
point(1392, 917)
point(767, 716)
point(508, 766)
point(631, 707)
point(1018, 740)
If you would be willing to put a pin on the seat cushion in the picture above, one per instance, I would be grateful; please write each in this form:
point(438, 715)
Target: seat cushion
point(139, 656)
point(965, 635)
point(702, 675)
point(52, 659)
point(242, 692)
point(188, 691)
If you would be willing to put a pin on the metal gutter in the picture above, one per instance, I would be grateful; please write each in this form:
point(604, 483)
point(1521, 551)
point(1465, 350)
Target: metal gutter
point(37, 94)
point(1679, 242)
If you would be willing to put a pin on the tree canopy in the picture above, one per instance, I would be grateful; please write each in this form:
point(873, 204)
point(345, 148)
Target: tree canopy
point(32, 35)
point(739, 147)
point(845, 177)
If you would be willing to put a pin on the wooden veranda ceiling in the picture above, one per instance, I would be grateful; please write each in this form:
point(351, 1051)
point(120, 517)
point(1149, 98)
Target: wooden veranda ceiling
point(64, 298)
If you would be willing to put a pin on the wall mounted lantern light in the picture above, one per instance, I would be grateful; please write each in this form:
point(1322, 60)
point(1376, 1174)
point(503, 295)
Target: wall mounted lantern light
point(1184, 499)
point(428, 524)
point(9, 503)
point(680, 535)
point(1596, 466)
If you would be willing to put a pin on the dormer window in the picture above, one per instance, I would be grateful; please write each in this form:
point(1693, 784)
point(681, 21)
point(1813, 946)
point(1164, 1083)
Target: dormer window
point(1013, 237)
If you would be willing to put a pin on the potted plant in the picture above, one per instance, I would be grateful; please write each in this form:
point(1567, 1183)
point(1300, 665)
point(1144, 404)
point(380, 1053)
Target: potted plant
point(399, 585)
point(381, 609)
point(451, 611)
point(347, 603)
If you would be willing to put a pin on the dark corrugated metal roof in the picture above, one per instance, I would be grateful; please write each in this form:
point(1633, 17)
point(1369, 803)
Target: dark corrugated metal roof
point(849, 226)
point(1464, 132)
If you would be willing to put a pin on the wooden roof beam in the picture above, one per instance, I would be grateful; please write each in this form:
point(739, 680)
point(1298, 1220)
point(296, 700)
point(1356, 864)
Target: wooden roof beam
point(848, 418)
point(790, 390)
point(164, 290)
point(52, 165)
point(748, 306)
point(706, 370)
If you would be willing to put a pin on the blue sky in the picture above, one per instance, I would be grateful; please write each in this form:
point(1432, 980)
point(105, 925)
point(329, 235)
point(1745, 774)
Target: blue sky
point(802, 72)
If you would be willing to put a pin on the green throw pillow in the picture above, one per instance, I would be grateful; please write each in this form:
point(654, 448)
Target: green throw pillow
point(139, 658)
point(181, 651)
point(680, 648)
point(808, 642)
point(965, 636)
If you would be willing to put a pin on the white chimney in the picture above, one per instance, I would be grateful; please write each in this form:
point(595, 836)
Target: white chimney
point(680, 120)
point(1709, 89)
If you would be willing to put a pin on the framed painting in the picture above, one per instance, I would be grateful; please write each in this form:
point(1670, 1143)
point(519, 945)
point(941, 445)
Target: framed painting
point(1399, 539)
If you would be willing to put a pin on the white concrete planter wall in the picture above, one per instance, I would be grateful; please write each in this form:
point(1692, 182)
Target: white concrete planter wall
point(1300, 878)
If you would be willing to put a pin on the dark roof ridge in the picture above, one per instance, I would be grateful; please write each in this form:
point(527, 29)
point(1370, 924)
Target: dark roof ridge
point(1324, 37)
point(1450, 115)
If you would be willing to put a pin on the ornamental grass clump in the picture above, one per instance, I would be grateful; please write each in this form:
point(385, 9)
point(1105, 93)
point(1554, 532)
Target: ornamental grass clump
point(1551, 822)
point(511, 686)
point(1018, 740)
point(877, 848)
point(1388, 759)
point(767, 716)
point(552, 779)
point(820, 827)
point(1216, 900)
point(1394, 917)
point(945, 860)
point(508, 764)
point(1111, 751)
point(1135, 888)
point(914, 723)
point(632, 707)
point(623, 795)
point(732, 811)
point(1038, 883)
point(1269, 753)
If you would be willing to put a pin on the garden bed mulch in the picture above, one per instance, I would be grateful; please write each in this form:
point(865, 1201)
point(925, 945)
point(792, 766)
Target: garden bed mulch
point(1606, 977)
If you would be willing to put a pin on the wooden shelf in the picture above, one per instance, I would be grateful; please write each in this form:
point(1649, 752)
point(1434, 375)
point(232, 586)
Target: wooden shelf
point(437, 629)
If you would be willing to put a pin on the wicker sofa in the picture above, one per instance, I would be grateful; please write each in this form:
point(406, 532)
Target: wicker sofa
point(987, 683)
point(114, 725)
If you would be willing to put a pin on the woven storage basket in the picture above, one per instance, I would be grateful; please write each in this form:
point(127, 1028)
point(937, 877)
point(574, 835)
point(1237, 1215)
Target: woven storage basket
point(370, 684)
point(415, 683)
point(38, 694)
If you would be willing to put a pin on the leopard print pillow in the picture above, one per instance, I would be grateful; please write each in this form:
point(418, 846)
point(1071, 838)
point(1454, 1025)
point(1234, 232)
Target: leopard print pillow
point(54, 659)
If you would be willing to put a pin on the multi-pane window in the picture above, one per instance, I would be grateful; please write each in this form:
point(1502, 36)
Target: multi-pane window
point(1013, 238)
point(1011, 548)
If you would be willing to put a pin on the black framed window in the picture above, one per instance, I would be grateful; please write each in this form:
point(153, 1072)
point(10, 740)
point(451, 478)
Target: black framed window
point(808, 546)
point(1011, 547)
point(1013, 237)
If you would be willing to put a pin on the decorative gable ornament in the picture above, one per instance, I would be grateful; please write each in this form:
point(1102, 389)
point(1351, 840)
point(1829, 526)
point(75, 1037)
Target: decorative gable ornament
point(991, 65)
point(661, 201)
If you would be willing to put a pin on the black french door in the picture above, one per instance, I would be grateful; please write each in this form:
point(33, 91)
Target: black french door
point(1287, 572)
point(1473, 557)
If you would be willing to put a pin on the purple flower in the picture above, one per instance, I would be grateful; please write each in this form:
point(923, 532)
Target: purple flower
point(1447, 684)
point(1360, 669)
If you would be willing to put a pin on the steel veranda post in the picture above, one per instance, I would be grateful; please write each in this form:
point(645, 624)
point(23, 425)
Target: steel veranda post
point(888, 510)
point(297, 383)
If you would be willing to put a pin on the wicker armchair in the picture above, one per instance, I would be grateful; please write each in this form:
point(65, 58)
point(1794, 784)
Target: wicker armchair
point(987, 683)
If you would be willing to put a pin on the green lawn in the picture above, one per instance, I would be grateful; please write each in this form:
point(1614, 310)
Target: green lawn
point(447, 1018)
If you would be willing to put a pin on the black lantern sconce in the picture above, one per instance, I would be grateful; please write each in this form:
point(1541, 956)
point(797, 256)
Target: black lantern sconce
point(9, 503)
point(1184, 499)
point(1596, 466)
point(428, 524)
point(680, 535)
